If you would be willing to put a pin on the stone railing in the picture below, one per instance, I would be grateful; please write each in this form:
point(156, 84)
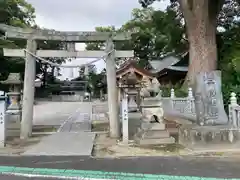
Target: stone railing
point(184, 106)
point(234, 111)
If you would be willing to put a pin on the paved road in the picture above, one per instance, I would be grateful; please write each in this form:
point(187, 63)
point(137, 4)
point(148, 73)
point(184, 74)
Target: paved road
point(178, 166)
point(55, 113)
point(65, 142)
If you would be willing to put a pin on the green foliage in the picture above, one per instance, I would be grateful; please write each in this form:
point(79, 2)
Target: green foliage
point(179, 91)
point(16, 13)
point(98, 82)
point(43, 67)
point(229, 60)
point(154, 33)
point(100, 45)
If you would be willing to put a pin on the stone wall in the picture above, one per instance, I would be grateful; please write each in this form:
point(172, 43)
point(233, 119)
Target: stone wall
point(67, 98)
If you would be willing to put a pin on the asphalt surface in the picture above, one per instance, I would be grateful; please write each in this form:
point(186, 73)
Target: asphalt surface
point(178, 166)
point(8, 177)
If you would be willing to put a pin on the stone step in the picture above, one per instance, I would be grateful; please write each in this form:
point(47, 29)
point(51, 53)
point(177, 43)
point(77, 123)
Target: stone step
point(156, 134)
point(152, 126)
point(160, 141)
point(158, 126)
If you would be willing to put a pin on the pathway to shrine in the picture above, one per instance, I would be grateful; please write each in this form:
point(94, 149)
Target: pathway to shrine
point(74, 137)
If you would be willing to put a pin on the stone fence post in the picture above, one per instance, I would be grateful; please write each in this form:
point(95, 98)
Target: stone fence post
point(234, 110)
point(191, 101)
point(172, 94)
point(172, 97)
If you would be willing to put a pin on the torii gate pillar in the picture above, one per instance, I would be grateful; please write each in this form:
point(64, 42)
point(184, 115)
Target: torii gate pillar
point(112, 91)
point(28, 90)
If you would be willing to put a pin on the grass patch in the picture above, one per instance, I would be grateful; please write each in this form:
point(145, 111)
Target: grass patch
point(42, 128)
point(97, 127)
point(166, 148)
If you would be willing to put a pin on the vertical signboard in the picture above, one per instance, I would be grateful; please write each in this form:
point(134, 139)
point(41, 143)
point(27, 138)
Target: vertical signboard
point(2, 119)
point(125, 119)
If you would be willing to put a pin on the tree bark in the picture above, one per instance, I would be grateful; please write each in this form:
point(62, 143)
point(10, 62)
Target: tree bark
point(202, 49)
point(200, 18)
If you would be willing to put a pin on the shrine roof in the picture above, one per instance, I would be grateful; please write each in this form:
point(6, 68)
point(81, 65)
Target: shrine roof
point(170, 62)
point(132, 65)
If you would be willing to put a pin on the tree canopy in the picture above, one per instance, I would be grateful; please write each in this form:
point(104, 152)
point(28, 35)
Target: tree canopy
point(15, 13)
point(154, 33)
point(201, 18)
point(21, 14)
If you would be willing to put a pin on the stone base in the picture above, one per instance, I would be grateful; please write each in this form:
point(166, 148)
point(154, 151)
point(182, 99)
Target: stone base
point(152, 126)
point(13, 125)
point(209, 137)
point(153, 134)
point(156, 134)
point(161, 141)
point(133, 109)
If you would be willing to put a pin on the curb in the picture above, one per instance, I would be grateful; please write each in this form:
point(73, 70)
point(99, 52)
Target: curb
point(94, 175)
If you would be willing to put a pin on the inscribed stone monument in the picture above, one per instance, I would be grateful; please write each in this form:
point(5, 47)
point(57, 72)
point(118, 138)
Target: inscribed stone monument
point(209, 100)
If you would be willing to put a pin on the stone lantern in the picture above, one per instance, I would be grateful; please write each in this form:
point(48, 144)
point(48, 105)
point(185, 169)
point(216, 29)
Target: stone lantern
point(155, 86)
point(14, 109)
point(14, 94)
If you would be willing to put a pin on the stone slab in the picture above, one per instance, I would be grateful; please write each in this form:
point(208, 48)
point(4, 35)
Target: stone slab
point(64, 144)
point(156, 134)
point(161, 141)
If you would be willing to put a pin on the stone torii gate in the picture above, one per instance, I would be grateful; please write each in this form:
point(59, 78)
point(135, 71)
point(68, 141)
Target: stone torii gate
point(32, 35)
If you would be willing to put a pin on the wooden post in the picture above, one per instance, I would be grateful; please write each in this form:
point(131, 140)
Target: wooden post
point(112, 91)
point(28, 91)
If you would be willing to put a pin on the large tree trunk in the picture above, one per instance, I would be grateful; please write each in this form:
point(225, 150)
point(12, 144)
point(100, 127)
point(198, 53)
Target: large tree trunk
point(200, 18)
point(202, 49)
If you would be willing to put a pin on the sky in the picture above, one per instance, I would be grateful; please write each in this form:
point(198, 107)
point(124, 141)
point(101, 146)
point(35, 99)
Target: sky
point(84, 15)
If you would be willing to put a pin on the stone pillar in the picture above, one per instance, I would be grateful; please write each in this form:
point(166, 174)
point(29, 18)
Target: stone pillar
point(112, 91)
point(28, 90)
point(119, 90)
